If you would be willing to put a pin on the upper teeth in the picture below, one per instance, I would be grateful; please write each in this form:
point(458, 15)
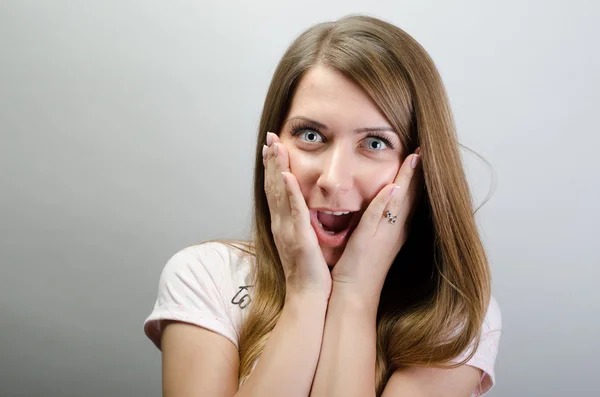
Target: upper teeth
point(336, 213)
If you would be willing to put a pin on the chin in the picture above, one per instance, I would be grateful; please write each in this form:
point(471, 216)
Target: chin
point(332, 255)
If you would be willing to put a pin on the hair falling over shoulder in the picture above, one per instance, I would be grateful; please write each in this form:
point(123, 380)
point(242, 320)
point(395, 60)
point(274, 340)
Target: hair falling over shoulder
point(437, 291)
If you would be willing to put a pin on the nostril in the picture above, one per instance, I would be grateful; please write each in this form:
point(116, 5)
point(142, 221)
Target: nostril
point(334, 185)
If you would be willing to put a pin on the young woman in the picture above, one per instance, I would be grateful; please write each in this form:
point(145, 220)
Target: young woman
point(365, 274)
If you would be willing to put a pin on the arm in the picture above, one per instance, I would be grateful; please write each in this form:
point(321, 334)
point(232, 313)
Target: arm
point(199, 362)
point(288, 363)
point(196, 361)
point(347, 363)
point(433, 382)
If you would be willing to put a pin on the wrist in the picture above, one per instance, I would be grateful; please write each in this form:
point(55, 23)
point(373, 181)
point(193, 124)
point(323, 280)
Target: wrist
point(355, 297)
point(312, 297)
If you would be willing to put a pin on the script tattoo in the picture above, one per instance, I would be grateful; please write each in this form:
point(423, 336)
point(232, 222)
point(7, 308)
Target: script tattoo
point(245, 298)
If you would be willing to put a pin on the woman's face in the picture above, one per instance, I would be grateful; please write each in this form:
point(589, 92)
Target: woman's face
point(342, 150)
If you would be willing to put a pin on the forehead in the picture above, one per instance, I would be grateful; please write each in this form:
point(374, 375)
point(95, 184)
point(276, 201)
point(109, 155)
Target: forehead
point(326, 95)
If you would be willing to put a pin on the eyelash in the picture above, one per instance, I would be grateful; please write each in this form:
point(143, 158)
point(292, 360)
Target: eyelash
point(299, 128)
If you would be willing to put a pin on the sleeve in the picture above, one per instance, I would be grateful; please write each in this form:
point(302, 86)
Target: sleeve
point(487, 351)
point(189, 290)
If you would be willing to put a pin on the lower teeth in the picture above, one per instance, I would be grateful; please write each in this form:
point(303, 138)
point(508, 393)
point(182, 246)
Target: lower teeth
point(326, 231)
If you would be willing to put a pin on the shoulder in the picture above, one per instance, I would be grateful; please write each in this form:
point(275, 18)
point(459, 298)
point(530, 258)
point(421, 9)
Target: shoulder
point(213, 268)
point(493, 316)
point(224, 251)
point(486, 352)
point(437, 381)
point(221, 260)
point(200, 284)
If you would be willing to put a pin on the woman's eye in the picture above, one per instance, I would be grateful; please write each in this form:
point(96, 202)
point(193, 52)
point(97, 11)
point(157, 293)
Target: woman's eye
point(310, 136)
point(376, 143)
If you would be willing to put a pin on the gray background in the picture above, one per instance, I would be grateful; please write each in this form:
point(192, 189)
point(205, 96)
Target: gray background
point(127, 131)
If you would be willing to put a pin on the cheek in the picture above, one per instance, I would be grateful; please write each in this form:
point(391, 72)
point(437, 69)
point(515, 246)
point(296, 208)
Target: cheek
point(302, 166)
point(374, 178)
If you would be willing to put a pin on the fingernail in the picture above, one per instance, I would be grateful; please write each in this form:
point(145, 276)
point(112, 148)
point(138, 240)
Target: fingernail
point(284, 177)
point(265, 152)
point(269, 139)
point(394, 190)
point(275, 149)
point(414, 161)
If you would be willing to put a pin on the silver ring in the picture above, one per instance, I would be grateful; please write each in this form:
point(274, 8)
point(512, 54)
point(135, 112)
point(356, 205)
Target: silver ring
point(391, 218)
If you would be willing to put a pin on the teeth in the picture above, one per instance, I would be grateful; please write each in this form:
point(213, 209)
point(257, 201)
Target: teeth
point(336, 213)
point(328, 232)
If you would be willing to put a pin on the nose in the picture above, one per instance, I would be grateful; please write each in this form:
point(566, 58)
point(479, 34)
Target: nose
point(337, 171)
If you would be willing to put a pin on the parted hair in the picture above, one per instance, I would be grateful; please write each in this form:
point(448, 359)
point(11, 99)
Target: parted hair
point(437, 290)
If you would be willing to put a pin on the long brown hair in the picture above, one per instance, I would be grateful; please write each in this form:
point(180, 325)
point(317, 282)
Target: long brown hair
point(437, 291)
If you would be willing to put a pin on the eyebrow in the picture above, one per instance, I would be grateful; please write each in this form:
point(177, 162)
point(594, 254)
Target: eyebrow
point(358, 130)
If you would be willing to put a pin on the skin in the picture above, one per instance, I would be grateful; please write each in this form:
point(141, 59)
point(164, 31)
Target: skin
point(337, 167)
point(334, 167)
point(324, 341)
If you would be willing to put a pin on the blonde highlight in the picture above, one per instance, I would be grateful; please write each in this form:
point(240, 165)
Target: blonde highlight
point(437, 291)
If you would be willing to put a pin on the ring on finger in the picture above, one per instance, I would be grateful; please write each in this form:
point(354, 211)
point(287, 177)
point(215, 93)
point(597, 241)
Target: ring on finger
point(391, 218)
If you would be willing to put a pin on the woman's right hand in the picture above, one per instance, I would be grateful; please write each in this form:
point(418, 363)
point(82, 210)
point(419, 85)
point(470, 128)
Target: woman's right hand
point(303, 263)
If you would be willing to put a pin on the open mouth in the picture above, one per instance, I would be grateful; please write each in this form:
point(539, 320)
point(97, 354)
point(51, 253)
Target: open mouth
point(334, 222)
point(333, 228)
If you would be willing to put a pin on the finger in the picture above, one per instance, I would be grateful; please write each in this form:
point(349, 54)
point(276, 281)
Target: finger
point(391, 198)
point(277, 161)
point(280, 163)
point(299, 212)
point(415, 191)
point(275, 137)
point(403, 202)
point(271, 139)
point(374, 213)
point(407, 170)
point(282, 159)
point(270, 176)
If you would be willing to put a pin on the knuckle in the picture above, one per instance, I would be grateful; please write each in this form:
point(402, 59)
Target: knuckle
point(397, 202)
point(295, 214)
point(287, 244)
point(374, 216)
point(300, 249)
point(269, 186)
point(276, 228)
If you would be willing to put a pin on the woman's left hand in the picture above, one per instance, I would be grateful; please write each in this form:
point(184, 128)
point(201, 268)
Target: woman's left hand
point(372, 247)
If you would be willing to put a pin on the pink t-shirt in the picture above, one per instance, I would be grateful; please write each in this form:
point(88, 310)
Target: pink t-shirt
point(209, 285)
